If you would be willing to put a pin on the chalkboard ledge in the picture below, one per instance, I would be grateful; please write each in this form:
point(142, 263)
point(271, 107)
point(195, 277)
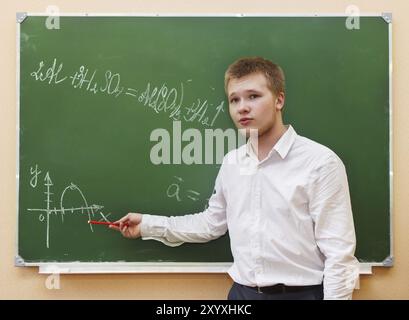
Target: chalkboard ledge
point(146, 267)
point(133, 267)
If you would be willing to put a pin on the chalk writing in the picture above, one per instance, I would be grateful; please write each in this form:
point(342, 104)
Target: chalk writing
point(112, 84)
point(34, 173)
point(161, 98)
point(51, 74)
point(199, 110)
point(86, 210)
point(193, 195)
point(174, 189)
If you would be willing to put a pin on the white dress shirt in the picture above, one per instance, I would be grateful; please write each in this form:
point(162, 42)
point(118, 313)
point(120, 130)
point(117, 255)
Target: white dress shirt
point(289, 218)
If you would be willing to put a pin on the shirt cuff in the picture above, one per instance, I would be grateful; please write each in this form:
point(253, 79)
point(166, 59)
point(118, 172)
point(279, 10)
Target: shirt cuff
point(154, 228)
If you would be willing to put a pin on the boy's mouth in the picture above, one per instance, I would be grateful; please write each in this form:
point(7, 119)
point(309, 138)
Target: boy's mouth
point(245, 121)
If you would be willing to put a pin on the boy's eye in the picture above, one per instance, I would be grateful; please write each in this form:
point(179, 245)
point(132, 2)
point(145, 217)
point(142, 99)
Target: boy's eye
point(253, 96)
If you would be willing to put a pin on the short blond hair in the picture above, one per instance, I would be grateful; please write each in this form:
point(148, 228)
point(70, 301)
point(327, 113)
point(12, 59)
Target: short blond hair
point(249, 65)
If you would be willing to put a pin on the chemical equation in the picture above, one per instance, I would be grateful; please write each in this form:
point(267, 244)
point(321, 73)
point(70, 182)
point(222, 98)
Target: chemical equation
point(160, 99)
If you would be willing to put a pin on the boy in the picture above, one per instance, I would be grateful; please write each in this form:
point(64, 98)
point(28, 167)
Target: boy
point(289, 217)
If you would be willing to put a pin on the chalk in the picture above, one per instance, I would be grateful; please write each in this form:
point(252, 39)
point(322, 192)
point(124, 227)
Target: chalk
point(105, 223)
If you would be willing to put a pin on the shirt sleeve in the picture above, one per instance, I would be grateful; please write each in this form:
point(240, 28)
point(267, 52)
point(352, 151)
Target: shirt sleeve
point(330, 207)
point(200, 227)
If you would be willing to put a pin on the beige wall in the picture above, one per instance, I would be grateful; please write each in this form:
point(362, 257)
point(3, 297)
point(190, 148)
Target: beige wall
point(26, 283)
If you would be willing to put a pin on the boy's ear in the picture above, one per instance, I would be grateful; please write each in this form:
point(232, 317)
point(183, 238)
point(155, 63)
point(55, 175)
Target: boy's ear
point(280, 101)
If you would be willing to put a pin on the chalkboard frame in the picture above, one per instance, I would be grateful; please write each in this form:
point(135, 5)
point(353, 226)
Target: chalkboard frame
point(181, 267)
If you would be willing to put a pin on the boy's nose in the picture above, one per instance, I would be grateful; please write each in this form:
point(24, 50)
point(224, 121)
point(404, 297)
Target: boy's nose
point(243, 108)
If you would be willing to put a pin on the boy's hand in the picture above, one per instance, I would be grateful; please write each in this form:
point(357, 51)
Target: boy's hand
point(129, 225)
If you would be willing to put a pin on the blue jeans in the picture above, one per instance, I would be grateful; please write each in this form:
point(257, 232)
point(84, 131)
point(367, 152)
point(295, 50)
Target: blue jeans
point(240, 292)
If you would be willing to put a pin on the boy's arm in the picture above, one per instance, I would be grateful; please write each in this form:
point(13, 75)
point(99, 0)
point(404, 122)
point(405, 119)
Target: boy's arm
point(200, 227)
point(330, 207)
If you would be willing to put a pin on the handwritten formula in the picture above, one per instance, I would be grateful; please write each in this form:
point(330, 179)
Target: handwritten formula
point(160, 98)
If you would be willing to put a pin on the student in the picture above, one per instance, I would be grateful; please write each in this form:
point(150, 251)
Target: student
point(288, 213)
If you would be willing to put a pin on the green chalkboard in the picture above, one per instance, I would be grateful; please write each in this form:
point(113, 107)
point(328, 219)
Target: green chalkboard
point(92, 92)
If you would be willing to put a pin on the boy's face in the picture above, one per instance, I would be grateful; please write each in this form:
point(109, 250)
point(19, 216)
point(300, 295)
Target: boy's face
point(252, 105)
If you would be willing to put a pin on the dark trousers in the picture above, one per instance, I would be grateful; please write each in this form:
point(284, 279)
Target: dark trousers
point(240, 292)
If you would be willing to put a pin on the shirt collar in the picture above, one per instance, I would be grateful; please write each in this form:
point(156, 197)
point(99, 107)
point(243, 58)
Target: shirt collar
point(286, 141)
point(282, 146)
